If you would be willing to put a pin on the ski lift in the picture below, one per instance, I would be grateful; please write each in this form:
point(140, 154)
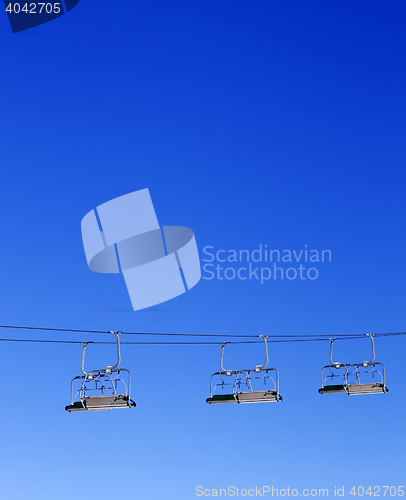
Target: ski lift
point(244, 385)
point(367, 377)
point(105, 383)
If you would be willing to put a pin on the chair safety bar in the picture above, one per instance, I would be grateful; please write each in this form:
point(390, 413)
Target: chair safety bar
point(247, 373)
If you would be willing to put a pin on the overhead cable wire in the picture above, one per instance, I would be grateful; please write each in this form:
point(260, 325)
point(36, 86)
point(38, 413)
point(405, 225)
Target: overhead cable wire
point(69, 330)
point(293, 337)
point(49, 341)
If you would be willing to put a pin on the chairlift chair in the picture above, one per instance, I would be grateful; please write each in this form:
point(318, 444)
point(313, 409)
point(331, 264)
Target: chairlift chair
point(356, 372)
point(106, 382)
point(248, 380)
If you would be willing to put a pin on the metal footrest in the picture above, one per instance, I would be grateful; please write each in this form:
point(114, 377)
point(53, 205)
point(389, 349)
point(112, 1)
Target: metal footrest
point(354, 389)
point(103, 402)
point(375, 388)
point(246, 397)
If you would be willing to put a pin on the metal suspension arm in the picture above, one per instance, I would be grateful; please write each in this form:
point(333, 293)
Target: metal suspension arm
point(228, 372)
point(260, 367)
point(118, 350)
point(83, 358)
point(109, 368)
point(337, 365)
point(366, 363)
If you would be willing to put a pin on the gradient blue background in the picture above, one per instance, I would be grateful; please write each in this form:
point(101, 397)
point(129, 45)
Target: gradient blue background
point(278, 123)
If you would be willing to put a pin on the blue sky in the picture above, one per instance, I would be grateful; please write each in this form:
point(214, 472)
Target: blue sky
point(252, 123)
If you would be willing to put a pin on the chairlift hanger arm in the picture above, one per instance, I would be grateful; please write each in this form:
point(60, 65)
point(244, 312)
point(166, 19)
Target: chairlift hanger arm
point(110, 367)
point(82, 367)
point(118, 349)
point(261, 367)
point(366, 363)
point(257, 368)
point(227, 372)
point(335, 363)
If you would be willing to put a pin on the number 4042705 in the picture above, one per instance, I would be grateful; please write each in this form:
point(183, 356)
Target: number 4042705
point(34, 8)
point(378, 491)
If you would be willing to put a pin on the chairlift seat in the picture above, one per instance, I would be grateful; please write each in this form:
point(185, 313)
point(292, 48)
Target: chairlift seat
point(245, 397)
point(221, 398)
point(354, 389)
point(357, 370)
point(103, 402)
point(77, 406)
point(332, 389)
point(243, 377)
point(372, 388)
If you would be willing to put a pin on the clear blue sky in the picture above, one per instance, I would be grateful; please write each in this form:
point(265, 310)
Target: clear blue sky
point(251, 122)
